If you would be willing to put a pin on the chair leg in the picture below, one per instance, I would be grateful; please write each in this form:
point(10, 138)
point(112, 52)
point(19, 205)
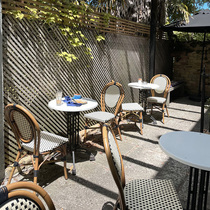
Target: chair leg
point(151, 109)
point(163, 112)
point(36, 169)
point(101, 127)
point(118, 128)
point(120, 116)
point(11, 175)
point(14, 167)
point(140, 119)
point(135, 114)
point(64, 162)
point(167, 111)
point(65, 170)
point(85, 135)
point(117, 204)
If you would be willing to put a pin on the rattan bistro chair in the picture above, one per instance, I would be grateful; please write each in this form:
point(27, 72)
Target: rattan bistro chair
point(41, 144)
point(159, 95)
point(25, 195)
point(112, 96)
point(150, 194)
point(132, 109)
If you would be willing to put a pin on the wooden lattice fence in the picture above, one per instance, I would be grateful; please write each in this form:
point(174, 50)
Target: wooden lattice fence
point(89, 19)
point(33, 72)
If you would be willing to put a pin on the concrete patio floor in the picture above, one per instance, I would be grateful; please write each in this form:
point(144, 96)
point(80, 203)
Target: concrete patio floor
point(93, 188)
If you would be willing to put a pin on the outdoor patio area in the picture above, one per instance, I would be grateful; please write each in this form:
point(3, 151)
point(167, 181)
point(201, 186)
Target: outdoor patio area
point(67, 67)
point(93, 188)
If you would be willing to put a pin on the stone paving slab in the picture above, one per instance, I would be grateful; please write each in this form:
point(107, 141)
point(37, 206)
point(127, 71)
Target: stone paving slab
point(93, 187)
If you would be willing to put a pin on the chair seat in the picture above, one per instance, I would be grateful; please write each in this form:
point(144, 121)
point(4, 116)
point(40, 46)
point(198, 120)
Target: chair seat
point(48, 142)
point(151, 194)
point(131, 107)
point(100, 116)
point(159, 100)
point(20, 203)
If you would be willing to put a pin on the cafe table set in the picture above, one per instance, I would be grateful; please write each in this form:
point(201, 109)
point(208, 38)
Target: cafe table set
point(72, 108)
point(143, 87)
point(190, 148)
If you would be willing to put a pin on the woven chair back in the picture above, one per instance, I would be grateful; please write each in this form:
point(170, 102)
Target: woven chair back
point(25, 195)
point(114, 159)
point(112, 96)
point(164, 84)
point(23, 124)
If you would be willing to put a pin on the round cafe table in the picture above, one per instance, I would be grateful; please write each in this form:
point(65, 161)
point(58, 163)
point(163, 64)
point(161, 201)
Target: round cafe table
point(143, 89)
point(143, 85)
point(72, 118)
point(192, 149)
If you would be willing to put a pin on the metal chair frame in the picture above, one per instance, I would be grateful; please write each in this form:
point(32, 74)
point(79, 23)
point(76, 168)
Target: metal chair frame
point(32, 134)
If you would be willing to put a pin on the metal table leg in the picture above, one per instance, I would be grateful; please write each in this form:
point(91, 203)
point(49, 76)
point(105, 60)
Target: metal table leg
point(73, 129)
point(73, 136)
point(143, 94)
point(198, 179)
point(143, 98)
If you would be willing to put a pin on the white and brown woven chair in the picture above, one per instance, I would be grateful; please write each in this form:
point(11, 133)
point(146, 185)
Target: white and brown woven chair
point(151, 194)
point(159, 95)
point(25, 195)
point(112, 96)
point(132, 110)
point(40, 144)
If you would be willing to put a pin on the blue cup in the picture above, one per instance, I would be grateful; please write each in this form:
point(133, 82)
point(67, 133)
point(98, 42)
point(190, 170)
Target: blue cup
point(77, 96)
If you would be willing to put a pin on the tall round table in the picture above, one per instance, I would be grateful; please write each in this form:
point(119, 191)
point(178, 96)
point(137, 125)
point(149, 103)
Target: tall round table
point(192, 149)
point(72, 118)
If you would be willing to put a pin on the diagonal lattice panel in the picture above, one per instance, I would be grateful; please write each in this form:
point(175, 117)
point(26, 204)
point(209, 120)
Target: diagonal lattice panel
point(33, 72)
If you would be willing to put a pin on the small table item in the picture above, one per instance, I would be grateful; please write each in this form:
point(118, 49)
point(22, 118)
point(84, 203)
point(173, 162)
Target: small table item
point(72, 112)
point(192, 149)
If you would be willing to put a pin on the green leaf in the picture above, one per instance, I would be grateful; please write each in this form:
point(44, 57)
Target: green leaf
point(99, 38)
point(50, 12)
point(76, 40)
point(67, 56)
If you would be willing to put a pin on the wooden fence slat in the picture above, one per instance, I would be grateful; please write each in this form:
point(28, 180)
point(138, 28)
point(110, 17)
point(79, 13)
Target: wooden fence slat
point(115, 25)
point(33, 72)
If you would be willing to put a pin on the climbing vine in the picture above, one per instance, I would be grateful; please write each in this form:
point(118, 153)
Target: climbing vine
point(70, 16)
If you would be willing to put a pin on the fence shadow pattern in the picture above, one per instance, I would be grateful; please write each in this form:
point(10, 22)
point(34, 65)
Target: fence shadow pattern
point(33, 72)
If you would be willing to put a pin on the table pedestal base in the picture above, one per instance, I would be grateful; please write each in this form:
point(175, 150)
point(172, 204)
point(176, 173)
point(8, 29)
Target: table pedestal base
point(198, 178)
point(72, 119)
point(143, 94)
point(73, 129)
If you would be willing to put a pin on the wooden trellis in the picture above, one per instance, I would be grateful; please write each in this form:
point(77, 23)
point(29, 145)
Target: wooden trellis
point(33, 72)
point(89, 19)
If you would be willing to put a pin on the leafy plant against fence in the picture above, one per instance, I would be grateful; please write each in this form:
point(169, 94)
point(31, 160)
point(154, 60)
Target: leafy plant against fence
point(71, 18)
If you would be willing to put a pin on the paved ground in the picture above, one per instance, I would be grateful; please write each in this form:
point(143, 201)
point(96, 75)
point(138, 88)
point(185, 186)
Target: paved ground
point(93, 187)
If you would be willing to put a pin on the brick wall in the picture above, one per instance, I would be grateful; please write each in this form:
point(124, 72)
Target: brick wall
point(187, 64)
